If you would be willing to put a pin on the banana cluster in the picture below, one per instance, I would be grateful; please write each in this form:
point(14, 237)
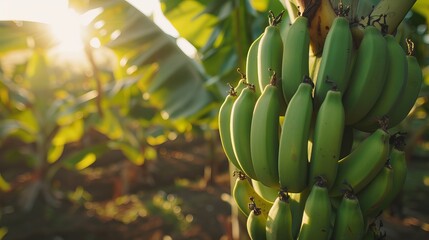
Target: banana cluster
point(289, 131)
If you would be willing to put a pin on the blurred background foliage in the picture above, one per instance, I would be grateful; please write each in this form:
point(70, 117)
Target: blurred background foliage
point(131, 98)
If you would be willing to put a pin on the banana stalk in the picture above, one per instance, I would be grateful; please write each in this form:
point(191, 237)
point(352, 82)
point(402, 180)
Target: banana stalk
point(386, 16)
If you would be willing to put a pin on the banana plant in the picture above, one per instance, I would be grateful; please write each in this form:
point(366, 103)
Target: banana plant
point(152, 89)
point(222, 32)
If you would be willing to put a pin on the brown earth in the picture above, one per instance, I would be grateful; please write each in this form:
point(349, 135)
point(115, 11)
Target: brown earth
point(173, 197)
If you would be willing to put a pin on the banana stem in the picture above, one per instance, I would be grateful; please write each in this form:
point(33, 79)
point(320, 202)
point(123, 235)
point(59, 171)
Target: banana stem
point(242, 32)
point(291, 10)
point(386, 16)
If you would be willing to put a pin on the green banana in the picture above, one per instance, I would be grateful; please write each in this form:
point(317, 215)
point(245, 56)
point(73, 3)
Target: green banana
point(348, 141)
point(270, 51)
point(279, 221)
point(256, 223)
point(398, 162)
point(243, 191)
point(336, 62)
point(252, 65)
point(411, 92)
point(362, 165)
point(316, 221)
point(374, 231)
point(297, 204)
point(392, 89)
point(327, 139)
point(369, 235)
point(372, 196)
point(241, 120)
point(295, 63)
point(264, 135)
point(368, 76)
point(349, 221)
point(224, 126)
point(267, 193)
point(293, 156)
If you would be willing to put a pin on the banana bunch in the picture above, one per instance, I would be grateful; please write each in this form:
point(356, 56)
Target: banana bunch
point(288, 128)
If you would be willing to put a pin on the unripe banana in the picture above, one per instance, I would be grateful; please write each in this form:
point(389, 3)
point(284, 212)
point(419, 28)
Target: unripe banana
point(295, 56)
point(297, 204)
point(374, 231)
point(392, 89)
point(335, 65)
point(362, 165)
point(224, 126)
point(411, 92)
point(267, 193)
point(349, 221)
point(369, 235)
point(264, 135)
point(252, 65)
point(293, 156)
point(256, 222)
point(348, 141)
point(242, 83)
point(372, 196)
point(243, 191)
point(241, 120)
point(398, 162)
point(316, 221)
point(279, 221)
point(270, 51)
point(327, 139)
point(368, 76)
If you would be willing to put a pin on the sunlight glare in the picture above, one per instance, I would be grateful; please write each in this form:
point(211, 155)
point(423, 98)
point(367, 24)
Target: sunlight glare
point(68, 31)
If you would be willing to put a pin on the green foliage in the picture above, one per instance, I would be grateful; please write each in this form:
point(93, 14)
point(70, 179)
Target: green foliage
point(134, 91)
point(222, 32)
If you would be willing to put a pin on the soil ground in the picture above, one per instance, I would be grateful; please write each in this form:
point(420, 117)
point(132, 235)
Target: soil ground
point(172, 197)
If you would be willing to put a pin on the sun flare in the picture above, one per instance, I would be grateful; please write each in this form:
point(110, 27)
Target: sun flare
point(67, 30)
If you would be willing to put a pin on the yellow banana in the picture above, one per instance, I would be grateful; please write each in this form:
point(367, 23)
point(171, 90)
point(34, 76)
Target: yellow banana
point(320, 15)
point(368, 76)
point(241, 120)
point(295, 56)
point(224, 126)
point(243, 191)
point(349, 221)
point(316, 220)
point(392, 89)
point(279, 221)
point(372, 196)
point(411, 92)
point(264, 135)
point(293, 156)
point(327, 139)
point(252, 65)
point(362, 165)
point(335, 66)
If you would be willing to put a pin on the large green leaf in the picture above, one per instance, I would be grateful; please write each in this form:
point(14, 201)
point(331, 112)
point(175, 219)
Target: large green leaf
point(142, 51)
point(222, 31)
point(175, 82)
point(17, 35)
